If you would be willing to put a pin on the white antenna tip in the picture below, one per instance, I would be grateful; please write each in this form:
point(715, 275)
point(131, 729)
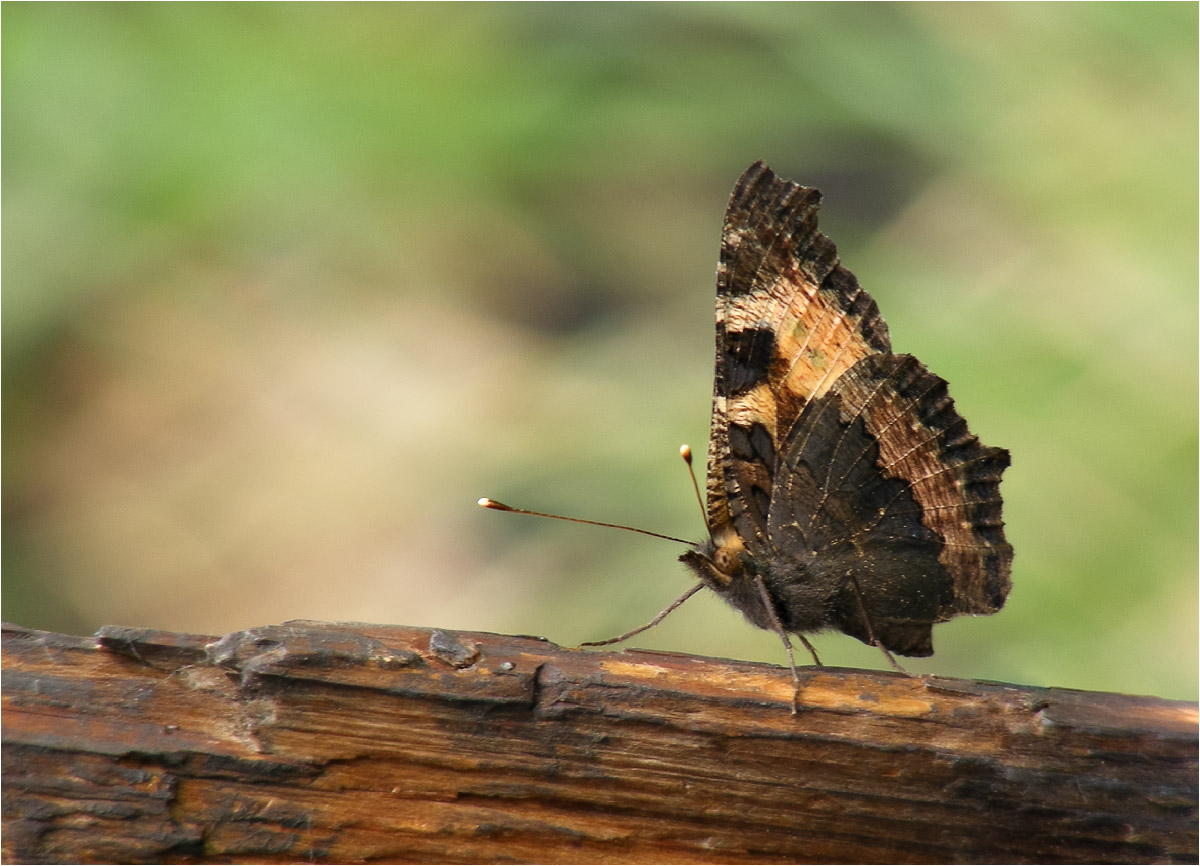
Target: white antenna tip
point(485, 502)
point(685, 452)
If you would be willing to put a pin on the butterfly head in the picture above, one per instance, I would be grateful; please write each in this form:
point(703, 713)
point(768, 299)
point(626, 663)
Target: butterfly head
point(727, 567)
point(721, 560)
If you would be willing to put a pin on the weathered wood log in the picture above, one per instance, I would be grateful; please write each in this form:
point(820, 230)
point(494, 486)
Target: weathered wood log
point(341, 742)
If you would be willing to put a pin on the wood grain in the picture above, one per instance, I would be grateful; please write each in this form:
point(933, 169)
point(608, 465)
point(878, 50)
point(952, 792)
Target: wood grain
point(340, 742)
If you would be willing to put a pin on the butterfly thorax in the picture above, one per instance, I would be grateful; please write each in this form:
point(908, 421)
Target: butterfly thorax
point(725, 565)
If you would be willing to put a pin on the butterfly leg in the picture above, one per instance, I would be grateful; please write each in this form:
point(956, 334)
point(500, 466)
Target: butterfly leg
point(811, 650)
point(650, 624)
point(871, 632)
point(769, 606)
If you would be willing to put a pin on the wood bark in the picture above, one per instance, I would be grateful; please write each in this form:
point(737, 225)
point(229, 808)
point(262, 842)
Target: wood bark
point(337, 742)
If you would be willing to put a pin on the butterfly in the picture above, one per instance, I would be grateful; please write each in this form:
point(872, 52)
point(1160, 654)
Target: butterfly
point(844, 492)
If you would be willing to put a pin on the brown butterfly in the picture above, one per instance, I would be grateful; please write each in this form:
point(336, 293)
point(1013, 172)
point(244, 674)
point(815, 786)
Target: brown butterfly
point(844, 491)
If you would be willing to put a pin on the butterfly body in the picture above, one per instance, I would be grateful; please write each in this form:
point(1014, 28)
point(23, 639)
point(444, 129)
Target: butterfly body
point(844, 491)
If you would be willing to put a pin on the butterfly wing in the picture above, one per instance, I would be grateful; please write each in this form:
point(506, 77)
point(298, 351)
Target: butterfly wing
point(881, 480)
point(790, 322)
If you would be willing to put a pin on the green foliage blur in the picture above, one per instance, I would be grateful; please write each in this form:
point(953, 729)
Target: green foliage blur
point(286, 288)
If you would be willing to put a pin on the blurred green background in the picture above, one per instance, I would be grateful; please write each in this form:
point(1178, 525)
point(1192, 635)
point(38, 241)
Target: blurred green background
point(288, 287)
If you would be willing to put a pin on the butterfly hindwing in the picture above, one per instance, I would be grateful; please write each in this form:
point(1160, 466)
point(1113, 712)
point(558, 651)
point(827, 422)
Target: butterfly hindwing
point(881, 480)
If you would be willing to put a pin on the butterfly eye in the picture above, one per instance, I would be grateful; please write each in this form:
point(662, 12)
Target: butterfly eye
point(728, 552)
point(726, 560)
point(732, 560)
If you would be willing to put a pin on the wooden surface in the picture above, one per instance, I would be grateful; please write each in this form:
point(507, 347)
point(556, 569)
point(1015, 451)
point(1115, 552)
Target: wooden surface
point(362, 743)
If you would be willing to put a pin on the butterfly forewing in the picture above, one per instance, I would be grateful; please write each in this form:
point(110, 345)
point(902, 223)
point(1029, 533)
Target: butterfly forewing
point(789, 322)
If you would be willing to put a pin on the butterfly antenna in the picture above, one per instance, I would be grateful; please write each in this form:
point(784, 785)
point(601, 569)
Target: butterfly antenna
point(485, 502)
point(685, 452)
